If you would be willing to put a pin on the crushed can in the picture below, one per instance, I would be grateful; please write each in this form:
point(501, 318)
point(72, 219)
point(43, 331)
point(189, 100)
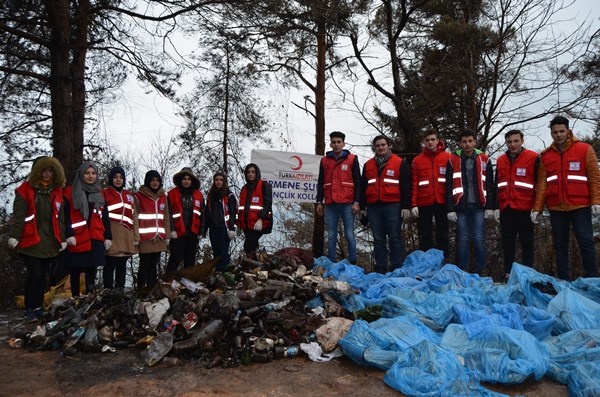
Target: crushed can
point(16, 343)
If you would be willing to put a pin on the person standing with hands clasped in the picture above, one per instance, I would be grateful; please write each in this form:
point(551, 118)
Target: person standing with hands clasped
point(255, 215)
point(221, 211)
point(38, 228)
point(569, 184)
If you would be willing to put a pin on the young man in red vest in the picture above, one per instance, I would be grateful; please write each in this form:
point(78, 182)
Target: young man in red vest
point(385, 192)
point(569, 184)
point(339, 188)
point(516, 174)
point(468, 189)
point(428, 188)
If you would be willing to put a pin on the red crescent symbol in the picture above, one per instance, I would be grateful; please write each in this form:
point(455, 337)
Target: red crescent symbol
point(299, 163)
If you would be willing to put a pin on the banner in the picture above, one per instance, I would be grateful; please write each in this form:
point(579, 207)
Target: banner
point(293, 176)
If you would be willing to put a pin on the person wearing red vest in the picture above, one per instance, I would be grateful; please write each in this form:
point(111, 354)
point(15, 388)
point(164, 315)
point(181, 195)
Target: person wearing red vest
point(221, 213)
point(385, 195)
point(516, 174)
point(338, 187)
point(255, 216)
point(469, 199)
point(38, 228)
point(186, 205)
point(428, 188)
point(152, 211)
point(87, 228)
point(569, 185)
point(124, 229)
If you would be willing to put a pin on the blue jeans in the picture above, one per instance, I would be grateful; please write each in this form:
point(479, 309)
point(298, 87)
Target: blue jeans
point(333, 213)
point(581, 220)
point(386, 222)
point(470, 226)
point(219, 242)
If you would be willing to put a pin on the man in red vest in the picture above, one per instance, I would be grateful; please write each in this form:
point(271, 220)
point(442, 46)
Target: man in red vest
point(516, 174)
point(339, 187)
point(385, 192)
point(569, 184)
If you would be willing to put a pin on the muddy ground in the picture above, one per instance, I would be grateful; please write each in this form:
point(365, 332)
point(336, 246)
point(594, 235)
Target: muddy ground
point(48, 373)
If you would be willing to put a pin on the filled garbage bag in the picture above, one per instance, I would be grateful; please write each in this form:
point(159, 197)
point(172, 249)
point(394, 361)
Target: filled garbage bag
point(584, 380)
point(570, 350)
point(574, 311)
point(451, 275)
point(538, 289)
point(421, 265)
point(434, 310)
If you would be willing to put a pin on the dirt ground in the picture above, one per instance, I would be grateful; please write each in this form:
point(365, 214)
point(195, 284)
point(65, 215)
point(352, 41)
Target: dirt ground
point(48, 373)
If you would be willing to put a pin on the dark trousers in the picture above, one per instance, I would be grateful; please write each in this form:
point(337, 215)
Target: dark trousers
point(35, 283)
point(515, 223)
point(148, 269)
point(90, 279)
point(115, 269)
point(425, 227)
point(219, 242)
point(185, 248)
point(251, 240)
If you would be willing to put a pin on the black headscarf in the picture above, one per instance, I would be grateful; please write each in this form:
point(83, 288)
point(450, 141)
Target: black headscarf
point(114, 171)
point(148, 178)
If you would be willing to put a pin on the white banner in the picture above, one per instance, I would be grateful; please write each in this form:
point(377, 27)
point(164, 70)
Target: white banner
point(293, 176)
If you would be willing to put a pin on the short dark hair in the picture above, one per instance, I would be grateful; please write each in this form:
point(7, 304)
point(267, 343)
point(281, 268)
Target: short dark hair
point(430, 131)
point(387, 140)
point(338, 134)
point(513, 132)
point(466, 133)
point(559, 120)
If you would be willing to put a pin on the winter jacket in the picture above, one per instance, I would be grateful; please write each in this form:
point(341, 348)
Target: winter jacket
point(428, 177)
point(339, 179)
point(156, 242)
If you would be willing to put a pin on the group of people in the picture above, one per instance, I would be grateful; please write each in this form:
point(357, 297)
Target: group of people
point(95, 227)
point(461, 187)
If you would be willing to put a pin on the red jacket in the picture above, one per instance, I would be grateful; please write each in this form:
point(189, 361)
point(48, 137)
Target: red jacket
point(515, 181)
point(119, 206)
point(151, 217)
point(174, 196)
point(384, 187)
point(256, 204)
point(480, 171)
point(30, 236)
point(338, 180)
point(84, 231)
point(428, 177)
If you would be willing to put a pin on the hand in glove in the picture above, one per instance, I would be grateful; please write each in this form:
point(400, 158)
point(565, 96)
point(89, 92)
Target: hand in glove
point(63, 246)
point(13, 242)
point(595, 209)
point(452, 217)
point(258, 225)
point(497, 215)
point(489, 214)
point(136, 242)
point(414, 212)
point(107, 244)
point(71, 241)
point(231, 234)
point(364, 218)
point(534, 215)
point(173, 234)
point(405, 215)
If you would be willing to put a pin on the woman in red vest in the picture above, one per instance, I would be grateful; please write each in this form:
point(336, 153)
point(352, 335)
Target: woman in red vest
point(255, 215)
point(87, 227)
point(124, 228)
point(38, 229)
point(221, 211)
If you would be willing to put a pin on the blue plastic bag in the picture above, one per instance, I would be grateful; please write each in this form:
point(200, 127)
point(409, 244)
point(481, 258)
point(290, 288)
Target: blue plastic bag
point(574, 311)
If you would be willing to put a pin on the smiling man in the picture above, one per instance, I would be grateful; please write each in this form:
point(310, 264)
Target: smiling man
point(569, 185)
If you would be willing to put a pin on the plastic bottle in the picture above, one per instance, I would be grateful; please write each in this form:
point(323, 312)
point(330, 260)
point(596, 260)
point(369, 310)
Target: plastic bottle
point(269, 307)
point(284, 352)
point(199, 338)
point(340, 287)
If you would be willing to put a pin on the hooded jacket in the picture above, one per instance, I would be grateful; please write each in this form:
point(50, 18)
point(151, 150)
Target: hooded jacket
point(156, 243)
point(187, 205)
point(256, 200)
point(339, 179)
point(428, 177)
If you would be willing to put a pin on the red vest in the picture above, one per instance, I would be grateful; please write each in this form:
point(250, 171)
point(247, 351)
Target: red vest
point(30, 236)
point(516, 181)
point(151, 217)
point(566, 176)
point(256, 204)
point(177, 211)
point(338, 181)
point(384, 187)
point(83, 230)
point(428, 178)
point(480, 167)
point(119, 206)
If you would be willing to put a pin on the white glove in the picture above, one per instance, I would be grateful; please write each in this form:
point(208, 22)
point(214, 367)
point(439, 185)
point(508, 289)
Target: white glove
point(363, 213)
point(13, 242)
point(71, 241)
point(534, 215)
point(595, 209)
point(231, 234)
point(173, 234)
point(452, 217)
point(489, 214)
point(258, 225)
point(136, 242)
point(107, 244)
point(405, 215)
point(497, 215)
point(414, 211)
point(63, 246)
point(168, 240)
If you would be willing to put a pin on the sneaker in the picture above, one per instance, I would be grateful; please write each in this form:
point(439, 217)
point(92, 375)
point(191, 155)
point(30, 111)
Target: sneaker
point(29, 316)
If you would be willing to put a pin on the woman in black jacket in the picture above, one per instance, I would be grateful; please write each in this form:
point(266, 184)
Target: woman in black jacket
point(221, 212)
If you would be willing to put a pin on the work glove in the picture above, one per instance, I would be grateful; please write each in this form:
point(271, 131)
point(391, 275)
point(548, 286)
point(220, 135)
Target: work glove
point(497, 215)
point(595, 209)
point(258, 225)
point(173, 234)
point(231, 234)
point(414, 212)
point(63, 246)
point(364, 218)
point(71, 241)
point(452, 217)
point(136, 242)
point(13, 242)
point(168, 240)
point(405, 214)
point(489, 214)
point(107, 244)
point(534, 215)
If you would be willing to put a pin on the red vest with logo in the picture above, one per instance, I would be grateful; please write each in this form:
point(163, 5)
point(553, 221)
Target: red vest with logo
point(151, 218)
point(177, 211)
point(480, 168)
point(338, 182)
point(119, 206)
point(566, 176)
point(428, 178)
point(84, 230)
point(384, 187)
point(516, 181)
point(30, 236)
point(256, 204)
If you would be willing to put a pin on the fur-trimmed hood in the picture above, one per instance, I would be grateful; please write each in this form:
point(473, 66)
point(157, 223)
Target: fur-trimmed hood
point(40, 164)
point(186, 171)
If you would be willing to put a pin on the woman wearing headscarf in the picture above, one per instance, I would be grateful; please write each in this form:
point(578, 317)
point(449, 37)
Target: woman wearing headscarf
point(186, 205)
point(154, 226)
point(255, 215)
point(38, 228)
point(87, 227)
point(124, 228)
point(221, 211)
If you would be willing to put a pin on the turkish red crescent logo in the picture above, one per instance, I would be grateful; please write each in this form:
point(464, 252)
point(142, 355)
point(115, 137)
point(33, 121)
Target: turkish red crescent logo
point(299, 163)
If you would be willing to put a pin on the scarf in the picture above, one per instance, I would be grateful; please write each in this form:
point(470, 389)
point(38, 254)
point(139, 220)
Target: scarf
point(85, 195)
